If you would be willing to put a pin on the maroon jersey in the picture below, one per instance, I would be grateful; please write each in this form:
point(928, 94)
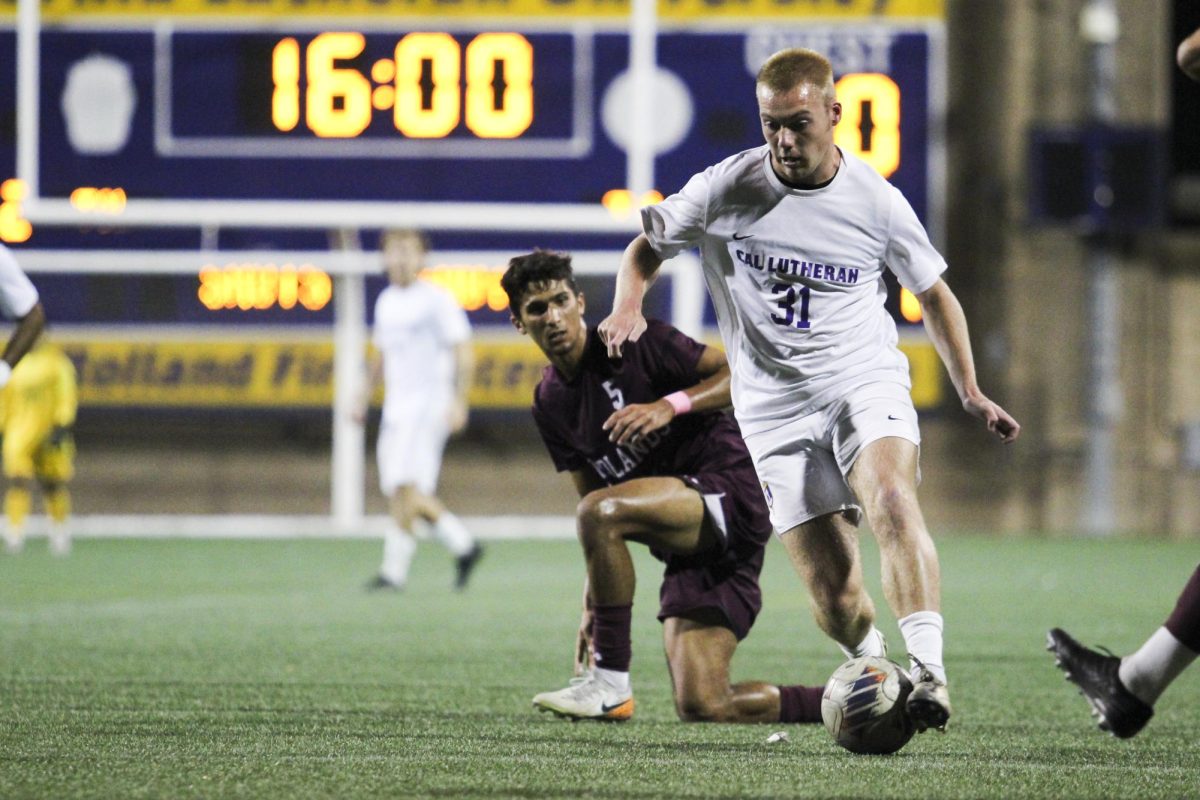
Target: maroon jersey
point(704, 450)
point(569, 414)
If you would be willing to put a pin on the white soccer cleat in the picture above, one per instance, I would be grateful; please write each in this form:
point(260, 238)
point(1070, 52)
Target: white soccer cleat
point(928, 705)
point(587, 698)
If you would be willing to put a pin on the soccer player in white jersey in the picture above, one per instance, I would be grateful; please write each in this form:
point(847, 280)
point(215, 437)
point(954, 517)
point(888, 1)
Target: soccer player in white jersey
point(18, 301)
point(423, 358)
point(794, 237)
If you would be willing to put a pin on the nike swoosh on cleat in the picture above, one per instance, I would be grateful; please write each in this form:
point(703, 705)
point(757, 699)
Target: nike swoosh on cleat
point(738, 237)
point(605, 708)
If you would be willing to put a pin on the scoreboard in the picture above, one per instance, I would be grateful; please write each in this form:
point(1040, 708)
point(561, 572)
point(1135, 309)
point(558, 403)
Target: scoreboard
point(406, 101)
point(518, 109)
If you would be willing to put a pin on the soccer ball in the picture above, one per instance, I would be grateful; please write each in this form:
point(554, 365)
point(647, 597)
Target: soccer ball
point(863, 706)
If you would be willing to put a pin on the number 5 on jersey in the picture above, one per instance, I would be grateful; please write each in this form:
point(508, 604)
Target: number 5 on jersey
point(617, 396)
point(786, 295)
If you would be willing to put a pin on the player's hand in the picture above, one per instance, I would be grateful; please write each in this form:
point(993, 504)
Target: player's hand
point(457, 415)
point(999, 421)
point(623, 325)
point(629, 424)
point(585, 654)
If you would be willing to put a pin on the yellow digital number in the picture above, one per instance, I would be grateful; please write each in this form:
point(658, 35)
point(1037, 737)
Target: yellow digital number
point(285, 72)
point(314, 289)
point(261, 286)
point(338, 99)
point(513, 114)
point(338, 102)
point(875, 138)
point(412, 118)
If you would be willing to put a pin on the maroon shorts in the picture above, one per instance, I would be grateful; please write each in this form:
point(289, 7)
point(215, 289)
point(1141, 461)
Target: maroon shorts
point(724, 579)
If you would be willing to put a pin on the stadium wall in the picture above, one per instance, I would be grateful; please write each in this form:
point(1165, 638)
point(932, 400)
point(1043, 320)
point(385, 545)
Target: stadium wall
point(1013, 66)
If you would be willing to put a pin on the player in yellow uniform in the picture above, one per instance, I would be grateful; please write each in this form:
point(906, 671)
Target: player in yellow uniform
point(37, 409)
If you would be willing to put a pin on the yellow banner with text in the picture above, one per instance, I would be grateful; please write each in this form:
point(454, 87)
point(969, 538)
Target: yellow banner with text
point(294, 375)
point(61, 10)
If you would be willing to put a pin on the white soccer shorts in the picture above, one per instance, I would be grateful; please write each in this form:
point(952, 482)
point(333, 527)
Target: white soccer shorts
point(410, 446)
point(803, 464)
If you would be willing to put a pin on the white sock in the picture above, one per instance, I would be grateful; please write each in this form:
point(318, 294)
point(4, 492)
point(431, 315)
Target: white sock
point(450, 531)
point(60, 538)
point(1149, 671)
point(871, 645)
point(922, 632)
point(398, 549)
point(617, 680)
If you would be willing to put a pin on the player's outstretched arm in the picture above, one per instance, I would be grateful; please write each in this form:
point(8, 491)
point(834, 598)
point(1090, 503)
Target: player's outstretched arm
point(464, 369)
point(29, 327)
point(947, 327)
point(585, 652)
point(711, 393)
point(371, 381)
point(639, 267)
point(1188, 55)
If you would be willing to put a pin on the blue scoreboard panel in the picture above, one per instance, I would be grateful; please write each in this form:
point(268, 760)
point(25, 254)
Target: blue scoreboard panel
point(427, 109)
point(433, 105)
point(465, 113)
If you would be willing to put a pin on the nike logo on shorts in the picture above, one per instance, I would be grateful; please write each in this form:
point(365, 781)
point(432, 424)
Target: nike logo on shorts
point(737, 237)
point(893, 419)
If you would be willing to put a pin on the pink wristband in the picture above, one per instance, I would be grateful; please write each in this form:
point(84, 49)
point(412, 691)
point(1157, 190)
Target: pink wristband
point(679, 401)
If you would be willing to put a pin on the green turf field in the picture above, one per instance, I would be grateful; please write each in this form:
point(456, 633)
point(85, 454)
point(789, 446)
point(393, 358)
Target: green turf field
point(262, 669)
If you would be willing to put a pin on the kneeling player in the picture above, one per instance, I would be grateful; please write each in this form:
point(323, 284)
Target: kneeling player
point(656, 462)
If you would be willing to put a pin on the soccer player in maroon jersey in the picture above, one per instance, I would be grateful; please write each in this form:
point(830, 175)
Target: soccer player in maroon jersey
point(1122, 691)
point(655, 461)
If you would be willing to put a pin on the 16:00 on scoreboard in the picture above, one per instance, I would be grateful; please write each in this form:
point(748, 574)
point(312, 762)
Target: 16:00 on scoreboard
point(430, 83)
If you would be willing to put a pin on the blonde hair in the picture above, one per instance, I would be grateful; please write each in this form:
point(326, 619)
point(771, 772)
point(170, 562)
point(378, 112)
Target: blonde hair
point(796, 66)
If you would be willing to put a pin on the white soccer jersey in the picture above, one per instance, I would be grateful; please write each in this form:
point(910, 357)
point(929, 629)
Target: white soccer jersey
point(796, 278)
point(416, 330)
point(17, 293)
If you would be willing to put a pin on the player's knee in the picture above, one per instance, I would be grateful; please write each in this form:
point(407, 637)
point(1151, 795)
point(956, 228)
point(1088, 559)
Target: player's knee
point(701, 708)
point(893, 507)
point(599, 515)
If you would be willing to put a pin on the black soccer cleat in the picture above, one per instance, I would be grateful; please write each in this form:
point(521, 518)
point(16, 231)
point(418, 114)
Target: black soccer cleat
point(464, 565)
point(1117, 709)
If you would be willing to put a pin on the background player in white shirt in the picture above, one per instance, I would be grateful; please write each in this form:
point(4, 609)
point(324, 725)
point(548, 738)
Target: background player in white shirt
point(18, 301)
point(794, 237)
point(424, 359)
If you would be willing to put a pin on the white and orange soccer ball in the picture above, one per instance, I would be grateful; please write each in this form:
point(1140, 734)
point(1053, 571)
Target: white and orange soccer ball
point(863, 706)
